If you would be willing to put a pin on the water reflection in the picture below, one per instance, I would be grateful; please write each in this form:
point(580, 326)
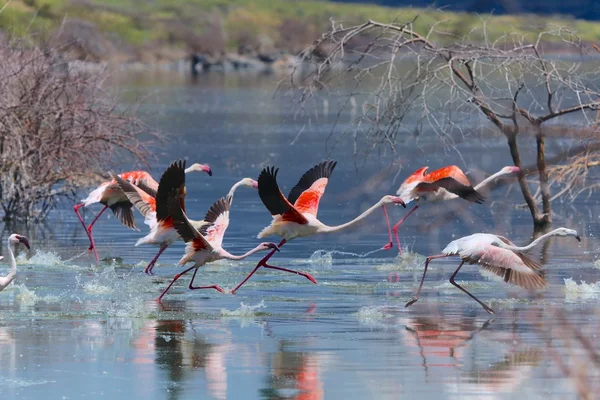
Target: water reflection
point(293, 375)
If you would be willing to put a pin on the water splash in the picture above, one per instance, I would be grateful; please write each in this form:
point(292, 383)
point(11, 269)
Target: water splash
point(583, 290)
point(403, 262)
point(41, 258)
point(25, 295)
point(371, 314)
point(244, 310)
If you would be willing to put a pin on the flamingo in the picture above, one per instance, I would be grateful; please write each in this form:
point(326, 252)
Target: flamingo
point(161, 229)
point(111, 196)
point(205, 248)
point(498, 255)
point(13, 240)
point(296, 215)
point(443, 184)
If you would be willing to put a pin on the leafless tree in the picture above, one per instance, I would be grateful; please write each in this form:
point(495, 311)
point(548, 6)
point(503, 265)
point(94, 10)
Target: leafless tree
point(460, 87)
point(59, 130)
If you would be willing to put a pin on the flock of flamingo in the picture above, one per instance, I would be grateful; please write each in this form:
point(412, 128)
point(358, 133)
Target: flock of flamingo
point(163, 206)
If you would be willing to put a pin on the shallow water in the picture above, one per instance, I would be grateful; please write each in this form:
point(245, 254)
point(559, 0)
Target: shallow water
point(70, 329)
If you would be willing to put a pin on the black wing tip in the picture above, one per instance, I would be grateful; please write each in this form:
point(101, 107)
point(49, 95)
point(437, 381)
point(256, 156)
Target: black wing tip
point(217, 208)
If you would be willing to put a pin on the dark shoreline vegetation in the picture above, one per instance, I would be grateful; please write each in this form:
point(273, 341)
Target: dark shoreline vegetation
point(246, 34)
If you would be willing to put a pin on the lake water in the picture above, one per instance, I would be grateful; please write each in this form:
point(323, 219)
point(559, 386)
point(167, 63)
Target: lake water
point(70, 329)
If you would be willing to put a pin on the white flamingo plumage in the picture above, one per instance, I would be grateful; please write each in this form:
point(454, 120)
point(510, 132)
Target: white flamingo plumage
point(205, 245)
point(446, 183)
point(162, 231)
point(12, 241)
point(296, 215)
point(111, 196)
point(499, 256)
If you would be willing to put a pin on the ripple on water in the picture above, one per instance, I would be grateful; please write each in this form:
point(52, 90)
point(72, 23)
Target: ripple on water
point(583, 290)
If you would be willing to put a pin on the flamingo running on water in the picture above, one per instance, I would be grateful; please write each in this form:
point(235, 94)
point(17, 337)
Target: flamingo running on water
point(111, 196)
point(499, 256)
point(13, 240)
point(155, 211)
point(296, 215)
point(443, 184)
point(206, 245)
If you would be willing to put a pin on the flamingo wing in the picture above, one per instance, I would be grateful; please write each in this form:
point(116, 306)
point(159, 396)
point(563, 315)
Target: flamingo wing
point(217, 219)
point(171, 181)
point(274, 200)
point(513, 267)
point(124, 214)
point(310, 188)
point(453, 180)
point(143, 185)
point(140, 199)
point(184, 227)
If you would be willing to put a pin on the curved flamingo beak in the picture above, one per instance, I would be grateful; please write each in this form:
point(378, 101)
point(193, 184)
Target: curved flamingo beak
point(578, 238)
point(254, 184)
point(514, 169)
point(206, 168)
point(272, 246)
point(24, 241)
point(398, 200)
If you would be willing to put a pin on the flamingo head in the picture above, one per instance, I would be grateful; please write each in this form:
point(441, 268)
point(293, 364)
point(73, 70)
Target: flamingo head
point(510, 170)
point(199, 168)
point(567, 232)
point(16, 239)
point(250, 183)
point(268, 246)
point(389, 199)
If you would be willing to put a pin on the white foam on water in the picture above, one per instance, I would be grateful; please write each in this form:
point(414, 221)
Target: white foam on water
point(583, 290)
point(43, 258)
point(21, 383)
point(244, 310)
point(96, 288)
point(322, 258)
point(403, 262)
point(27, 296)
point(372, 314)
point(596, 264)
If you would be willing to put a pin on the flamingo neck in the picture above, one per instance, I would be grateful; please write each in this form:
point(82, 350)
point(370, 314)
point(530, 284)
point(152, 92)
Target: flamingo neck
point(225, 254)
point(13, 267)
point(325, 228)
point(530, 245)
point(233, 189)
point(489, 179)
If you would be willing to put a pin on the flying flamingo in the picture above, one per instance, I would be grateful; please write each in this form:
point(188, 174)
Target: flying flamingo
point(109, 195)
point(154, 208)
point(296, 215)
point(443, 184)
point(499, 256)
point(205, 246)
point(13, 240)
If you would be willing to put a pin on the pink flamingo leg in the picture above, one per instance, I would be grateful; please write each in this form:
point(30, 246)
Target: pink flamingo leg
point(485, 307)
point(192, 287)
point(179, 275)
point(398, 226)
point(148, 269)
point(263, 263)
point(88, 230)
point(387, 221)
point(416, 297)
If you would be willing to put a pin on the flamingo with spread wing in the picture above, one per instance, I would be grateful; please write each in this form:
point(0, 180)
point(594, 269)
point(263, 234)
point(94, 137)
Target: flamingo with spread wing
point(205, 245)
point(498, 255)
point(111, 196)
point(296, 215)
point(446, 183)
